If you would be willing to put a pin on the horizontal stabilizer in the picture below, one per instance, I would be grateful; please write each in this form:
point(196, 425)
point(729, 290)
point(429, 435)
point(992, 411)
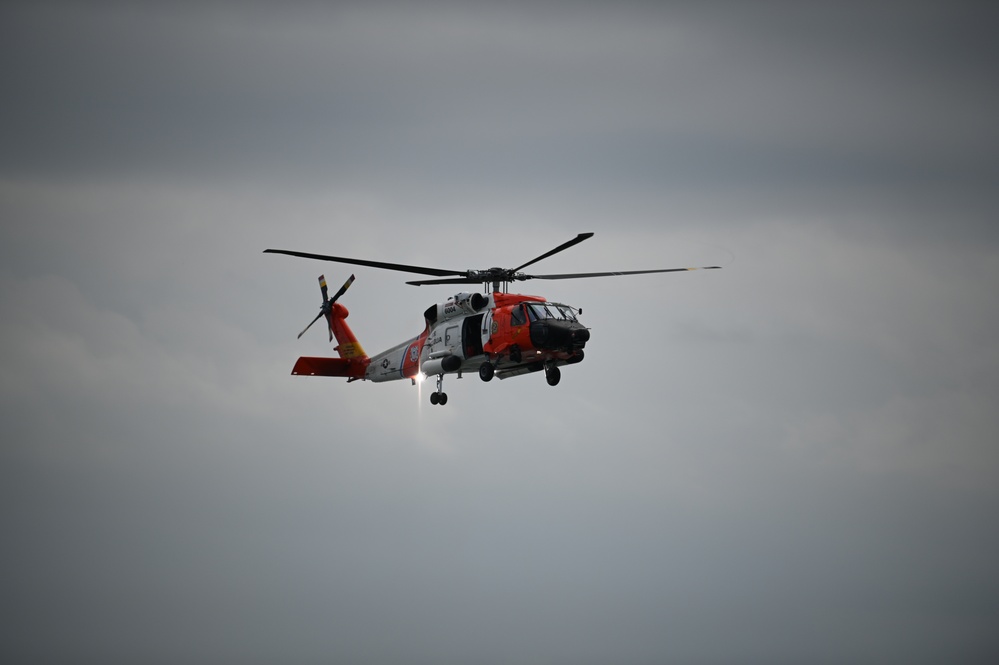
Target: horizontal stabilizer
point(349, 367)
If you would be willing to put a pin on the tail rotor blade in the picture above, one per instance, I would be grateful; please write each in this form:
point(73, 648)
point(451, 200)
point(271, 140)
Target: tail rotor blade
point(343, 289)
point(322, 286)
point(310, 324)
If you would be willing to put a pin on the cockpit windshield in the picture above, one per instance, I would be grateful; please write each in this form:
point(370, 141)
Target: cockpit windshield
point(540, 312)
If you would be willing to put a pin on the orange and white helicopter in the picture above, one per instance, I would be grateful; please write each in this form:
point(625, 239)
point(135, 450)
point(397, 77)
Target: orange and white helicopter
point(497, 333)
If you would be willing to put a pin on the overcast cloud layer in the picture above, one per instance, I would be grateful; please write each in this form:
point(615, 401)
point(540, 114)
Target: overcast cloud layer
point(793, 459)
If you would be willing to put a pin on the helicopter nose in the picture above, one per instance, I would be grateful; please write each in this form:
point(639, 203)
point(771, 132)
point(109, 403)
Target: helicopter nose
point(558, 335)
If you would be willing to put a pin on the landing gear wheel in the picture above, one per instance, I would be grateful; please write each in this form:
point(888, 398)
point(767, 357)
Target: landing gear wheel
point(439, 396)
point(486, 371)
point(553, 375)
point(515, 355)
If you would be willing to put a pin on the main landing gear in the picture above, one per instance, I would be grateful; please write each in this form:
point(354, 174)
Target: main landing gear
point(439, 396)
point(486, 371)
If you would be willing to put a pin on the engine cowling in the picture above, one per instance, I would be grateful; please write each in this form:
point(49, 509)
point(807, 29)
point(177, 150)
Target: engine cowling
point(460, 305)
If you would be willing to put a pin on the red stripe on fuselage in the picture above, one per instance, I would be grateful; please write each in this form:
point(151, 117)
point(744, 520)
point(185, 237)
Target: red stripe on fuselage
point(410, 365)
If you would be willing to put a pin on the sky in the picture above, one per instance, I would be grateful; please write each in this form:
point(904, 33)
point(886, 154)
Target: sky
point(792, 459)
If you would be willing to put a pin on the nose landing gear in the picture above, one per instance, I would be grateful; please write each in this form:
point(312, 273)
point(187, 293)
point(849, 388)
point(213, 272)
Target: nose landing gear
point(553, 374)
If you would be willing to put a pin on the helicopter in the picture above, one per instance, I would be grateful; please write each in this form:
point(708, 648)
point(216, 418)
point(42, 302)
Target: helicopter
point(496, 333)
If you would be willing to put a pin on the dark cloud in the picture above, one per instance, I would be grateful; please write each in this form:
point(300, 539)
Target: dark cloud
point(119, 88)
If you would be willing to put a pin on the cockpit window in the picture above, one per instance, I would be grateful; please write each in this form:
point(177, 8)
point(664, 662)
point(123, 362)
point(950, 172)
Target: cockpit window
point(566, 311)
point(537, 312)
point(517, 316)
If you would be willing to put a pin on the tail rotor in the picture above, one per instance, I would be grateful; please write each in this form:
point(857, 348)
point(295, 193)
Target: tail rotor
point(327, 307)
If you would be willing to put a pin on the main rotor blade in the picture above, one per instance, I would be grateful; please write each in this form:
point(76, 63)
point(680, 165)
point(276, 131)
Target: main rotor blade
point(343, 289)
point(453, 280)
point(310, 324)
point(576, 275)
point(575, 241)
point(420, 270)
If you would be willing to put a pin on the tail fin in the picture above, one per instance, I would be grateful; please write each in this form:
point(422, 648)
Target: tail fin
point(347, 344)
point(353, 361)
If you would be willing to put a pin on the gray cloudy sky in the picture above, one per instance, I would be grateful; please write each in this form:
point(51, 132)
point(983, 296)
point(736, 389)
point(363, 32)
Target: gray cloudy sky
point(794, 459)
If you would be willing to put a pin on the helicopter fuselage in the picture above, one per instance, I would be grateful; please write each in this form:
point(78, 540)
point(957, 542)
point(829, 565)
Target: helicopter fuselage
point(514, 333)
